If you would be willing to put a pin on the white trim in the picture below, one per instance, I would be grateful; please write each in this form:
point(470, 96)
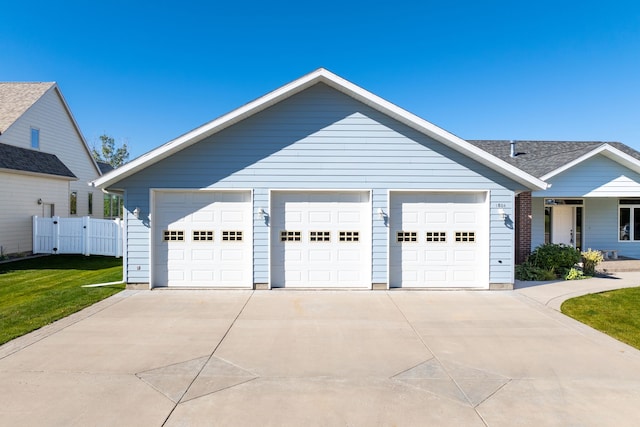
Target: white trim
point(606, 150)
point(320, 75)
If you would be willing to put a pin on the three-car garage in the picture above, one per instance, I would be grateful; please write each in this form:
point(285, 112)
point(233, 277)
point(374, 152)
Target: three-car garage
point(319, 239)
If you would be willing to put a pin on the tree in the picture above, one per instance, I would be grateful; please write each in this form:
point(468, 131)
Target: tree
point(109, 153)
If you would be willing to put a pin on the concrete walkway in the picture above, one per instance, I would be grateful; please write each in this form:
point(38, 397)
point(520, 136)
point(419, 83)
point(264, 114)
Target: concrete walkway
point(291, 358)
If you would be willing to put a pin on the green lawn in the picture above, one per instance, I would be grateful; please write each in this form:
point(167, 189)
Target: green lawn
point(616, 313)
point(38, 291)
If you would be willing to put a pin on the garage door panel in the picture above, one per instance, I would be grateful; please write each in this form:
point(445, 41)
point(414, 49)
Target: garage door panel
point(435, 235)
point(208, 223)
point(436, 256)
point(333, 237)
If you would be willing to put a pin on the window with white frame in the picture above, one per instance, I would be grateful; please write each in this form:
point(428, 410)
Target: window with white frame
point(35, 138)
point(629, 219)
point(73, 203)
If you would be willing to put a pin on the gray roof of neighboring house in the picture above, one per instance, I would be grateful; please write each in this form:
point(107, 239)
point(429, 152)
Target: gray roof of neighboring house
point(104, 167)
point(16, 98)
point(25, 160)
point(538, 158)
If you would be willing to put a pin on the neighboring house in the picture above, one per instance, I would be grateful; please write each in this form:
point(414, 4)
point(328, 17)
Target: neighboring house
point(45, 163)
point(319, 184)
point(593, 199)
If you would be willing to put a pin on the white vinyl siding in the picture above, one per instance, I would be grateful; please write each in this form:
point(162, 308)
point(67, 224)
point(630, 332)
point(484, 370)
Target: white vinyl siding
point(59, 136)
point(21, 194)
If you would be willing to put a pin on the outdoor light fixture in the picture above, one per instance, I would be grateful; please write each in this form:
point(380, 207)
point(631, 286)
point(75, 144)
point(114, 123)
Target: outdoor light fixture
point(39, 201)
point(262, 214)
point(381, 213)
point(502, 213)
point(136, 213)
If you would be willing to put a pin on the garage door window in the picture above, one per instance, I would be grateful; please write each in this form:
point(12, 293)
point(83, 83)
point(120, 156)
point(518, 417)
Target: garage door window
point(173, 236)
point(465, 236)
point(319, 236)
point(202, 236)
point(232, 236)
point(436, 236)
point(290, 236)
point(349, 236)
point(406, 236)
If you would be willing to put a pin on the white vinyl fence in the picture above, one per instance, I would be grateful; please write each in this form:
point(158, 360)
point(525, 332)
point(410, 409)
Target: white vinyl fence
point(85, 235)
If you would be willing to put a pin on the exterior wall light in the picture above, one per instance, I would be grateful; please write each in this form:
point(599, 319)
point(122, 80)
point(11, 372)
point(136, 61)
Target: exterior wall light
point(39, 201)
point(136, 213)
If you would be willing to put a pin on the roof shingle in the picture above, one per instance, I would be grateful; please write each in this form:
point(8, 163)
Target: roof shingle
point(25, 160)
point(538, 158)
point(16, 98)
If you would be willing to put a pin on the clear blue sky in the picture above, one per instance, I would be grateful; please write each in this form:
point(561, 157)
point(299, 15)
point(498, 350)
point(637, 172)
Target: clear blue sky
point(146, 72)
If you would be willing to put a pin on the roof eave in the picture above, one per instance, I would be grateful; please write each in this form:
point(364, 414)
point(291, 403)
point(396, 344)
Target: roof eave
point(39, 174)
point(606, 150)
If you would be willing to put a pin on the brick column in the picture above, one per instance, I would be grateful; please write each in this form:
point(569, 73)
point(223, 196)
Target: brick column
point(523, 227)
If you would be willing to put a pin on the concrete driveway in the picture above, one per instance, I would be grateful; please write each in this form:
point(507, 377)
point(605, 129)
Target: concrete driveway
point(361, 358)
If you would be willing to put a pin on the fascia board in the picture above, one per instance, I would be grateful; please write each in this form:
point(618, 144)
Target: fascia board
point(606, 150)
point(38, 174)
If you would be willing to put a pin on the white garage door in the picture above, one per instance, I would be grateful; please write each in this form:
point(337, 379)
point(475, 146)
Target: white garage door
point(202, 239)
point(321, 240)
point(438, 240)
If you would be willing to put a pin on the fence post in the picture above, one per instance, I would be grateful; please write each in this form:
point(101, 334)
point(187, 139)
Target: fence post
point(56, 234)
point(86, 241)
point(119, 238)
point(36, 246)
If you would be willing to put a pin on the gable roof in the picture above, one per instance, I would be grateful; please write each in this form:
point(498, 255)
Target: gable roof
point(104, 167)
point(32, 161)
point(545, 159)
point(320, 75)
point(17, 97)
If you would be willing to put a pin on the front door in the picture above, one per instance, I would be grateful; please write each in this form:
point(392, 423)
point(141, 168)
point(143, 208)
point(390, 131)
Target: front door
point(563, 225)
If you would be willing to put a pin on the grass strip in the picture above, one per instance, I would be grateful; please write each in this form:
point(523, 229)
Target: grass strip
point(38, 291)
point(616, 313)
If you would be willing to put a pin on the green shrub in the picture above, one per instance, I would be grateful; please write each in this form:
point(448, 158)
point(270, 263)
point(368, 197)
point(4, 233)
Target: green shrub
point(574, 274)
point(528, 271)
point(554, 257)
point(590, 259)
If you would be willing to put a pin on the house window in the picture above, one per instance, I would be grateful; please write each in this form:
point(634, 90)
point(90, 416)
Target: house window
point(35, 138)
point(629, 219)
point(73, 203)
point(90, 203)
point(113, 206)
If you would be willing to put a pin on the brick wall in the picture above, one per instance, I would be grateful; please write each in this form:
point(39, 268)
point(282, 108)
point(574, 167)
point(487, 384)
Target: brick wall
point(523, 227)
